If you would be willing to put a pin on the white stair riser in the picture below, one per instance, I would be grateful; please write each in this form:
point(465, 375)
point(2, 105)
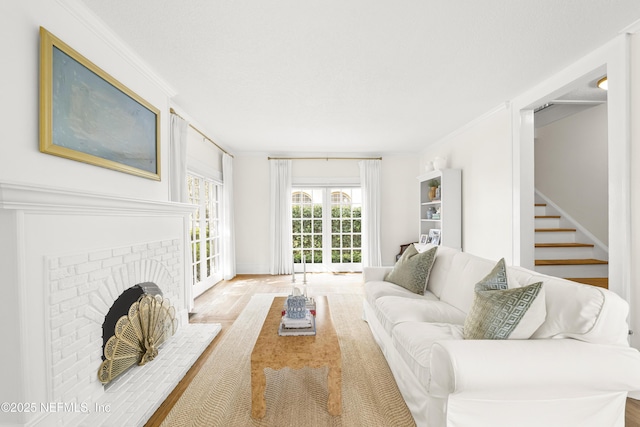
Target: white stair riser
point(540, 210)
point(555, 237)
point(598, 270)
point(547, 223)
point(564, 253)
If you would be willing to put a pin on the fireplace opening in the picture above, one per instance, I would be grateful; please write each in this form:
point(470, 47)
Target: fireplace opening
point(121, 307)
point(137, 323)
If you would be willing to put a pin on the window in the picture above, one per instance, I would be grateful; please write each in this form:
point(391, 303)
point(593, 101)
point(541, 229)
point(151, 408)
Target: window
point(327, 228)
point(307, 225)
point(204, 232)
point(346, 227)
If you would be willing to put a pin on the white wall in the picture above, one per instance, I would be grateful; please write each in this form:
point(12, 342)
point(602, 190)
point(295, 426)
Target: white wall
point(571, 168)
point(26, 239)
point(20, 158)
point(482, 150)
point(399, 210)
point(635, 188)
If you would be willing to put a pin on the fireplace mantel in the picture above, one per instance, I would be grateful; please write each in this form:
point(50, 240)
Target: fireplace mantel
point(66, 256)
point(51, 199)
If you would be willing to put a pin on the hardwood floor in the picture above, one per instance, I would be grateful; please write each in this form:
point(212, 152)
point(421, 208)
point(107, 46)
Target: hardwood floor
point(225, 301)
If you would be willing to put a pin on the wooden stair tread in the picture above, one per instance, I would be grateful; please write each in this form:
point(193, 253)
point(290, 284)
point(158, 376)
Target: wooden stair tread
point(547, 216)
point(602, 282)
point(587, 261)
point(564, 245)
point(554, 230)
point(540, 204)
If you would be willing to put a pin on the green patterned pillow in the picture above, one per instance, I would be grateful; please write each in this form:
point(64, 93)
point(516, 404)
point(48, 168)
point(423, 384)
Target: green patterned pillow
point(502, 313)
point(412, 269)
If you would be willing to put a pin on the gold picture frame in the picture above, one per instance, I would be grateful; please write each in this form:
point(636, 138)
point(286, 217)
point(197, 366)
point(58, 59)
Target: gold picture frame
point(88, 116)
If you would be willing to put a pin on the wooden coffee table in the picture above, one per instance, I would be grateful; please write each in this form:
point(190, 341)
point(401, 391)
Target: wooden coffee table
point(276, 352)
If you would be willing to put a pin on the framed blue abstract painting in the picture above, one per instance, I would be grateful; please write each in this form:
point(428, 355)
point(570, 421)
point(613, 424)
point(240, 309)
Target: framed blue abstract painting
point(88, 116)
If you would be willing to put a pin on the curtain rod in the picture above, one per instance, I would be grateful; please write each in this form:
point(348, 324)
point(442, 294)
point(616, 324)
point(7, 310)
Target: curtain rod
point(172, 111)
point(324, 158)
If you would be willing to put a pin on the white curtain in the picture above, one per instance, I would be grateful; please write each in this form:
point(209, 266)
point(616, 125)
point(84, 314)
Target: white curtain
point(370, 183)
point(178, 159)
point(281, 261)
point(228, 231)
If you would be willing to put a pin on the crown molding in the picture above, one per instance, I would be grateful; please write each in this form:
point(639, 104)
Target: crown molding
point(85, 16)
point(632, 28)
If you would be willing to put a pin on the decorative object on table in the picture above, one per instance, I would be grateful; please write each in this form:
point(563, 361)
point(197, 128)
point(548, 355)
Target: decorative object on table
point(311, 306)
point(439, 163)
point(88, 116)
point(293, 270)
point(434, 236)
point(423, 239)
point(296, 306)
point(297, 319)
point(287, 328)
point(309, 302)
point(304, 268)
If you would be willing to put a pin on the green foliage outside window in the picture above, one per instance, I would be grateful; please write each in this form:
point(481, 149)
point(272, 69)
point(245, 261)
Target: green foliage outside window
point(346, 226)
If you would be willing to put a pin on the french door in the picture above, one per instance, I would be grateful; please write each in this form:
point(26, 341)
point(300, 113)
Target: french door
point(205, 232)
point(327, 229)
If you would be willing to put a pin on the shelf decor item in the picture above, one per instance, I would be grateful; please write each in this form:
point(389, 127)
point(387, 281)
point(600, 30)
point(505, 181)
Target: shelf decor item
point(434, 236)
point(434, 189)
point(88, 116)
point(439, 163)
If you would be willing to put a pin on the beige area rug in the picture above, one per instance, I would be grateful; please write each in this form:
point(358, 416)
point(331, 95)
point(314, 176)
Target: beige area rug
point(220, 394)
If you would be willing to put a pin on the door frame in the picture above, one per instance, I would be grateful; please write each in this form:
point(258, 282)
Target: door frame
point(612, 59)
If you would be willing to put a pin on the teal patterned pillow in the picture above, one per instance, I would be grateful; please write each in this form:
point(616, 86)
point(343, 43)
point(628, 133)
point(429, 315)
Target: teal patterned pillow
point(412, 269)
point(502, 313)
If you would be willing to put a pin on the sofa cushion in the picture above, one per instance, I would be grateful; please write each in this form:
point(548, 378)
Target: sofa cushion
point(376, 289)
point(578, 311)
point(465, 271)
point(414, 340)
point(412, 269)
point(393, 310)
point(501, 313)
point(441, 269)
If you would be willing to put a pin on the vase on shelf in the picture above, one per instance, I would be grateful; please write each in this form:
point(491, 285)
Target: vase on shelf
point(439, 163)
point(432, 193)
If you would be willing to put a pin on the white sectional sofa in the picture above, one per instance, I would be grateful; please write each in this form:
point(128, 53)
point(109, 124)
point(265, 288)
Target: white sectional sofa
point(576, 370)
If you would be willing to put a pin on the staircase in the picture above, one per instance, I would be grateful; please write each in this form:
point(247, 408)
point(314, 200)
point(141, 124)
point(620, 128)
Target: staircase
point(563, 250)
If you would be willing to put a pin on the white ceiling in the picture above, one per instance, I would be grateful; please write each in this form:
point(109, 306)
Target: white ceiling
point(354, 76)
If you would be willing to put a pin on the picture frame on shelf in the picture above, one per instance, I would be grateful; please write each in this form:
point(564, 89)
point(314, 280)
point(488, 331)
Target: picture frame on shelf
point(434, 236)
point(424, 239)
point(88, 116)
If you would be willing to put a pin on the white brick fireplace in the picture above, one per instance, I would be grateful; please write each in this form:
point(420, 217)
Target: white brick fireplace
point(66, 256)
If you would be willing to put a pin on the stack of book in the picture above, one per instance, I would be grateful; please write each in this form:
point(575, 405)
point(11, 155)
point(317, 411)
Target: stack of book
point(294, 327)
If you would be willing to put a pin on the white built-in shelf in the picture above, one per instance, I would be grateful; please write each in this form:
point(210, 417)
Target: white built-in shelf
point(449, 204)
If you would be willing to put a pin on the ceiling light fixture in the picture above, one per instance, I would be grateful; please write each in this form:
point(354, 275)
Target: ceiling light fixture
point(603, 84)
